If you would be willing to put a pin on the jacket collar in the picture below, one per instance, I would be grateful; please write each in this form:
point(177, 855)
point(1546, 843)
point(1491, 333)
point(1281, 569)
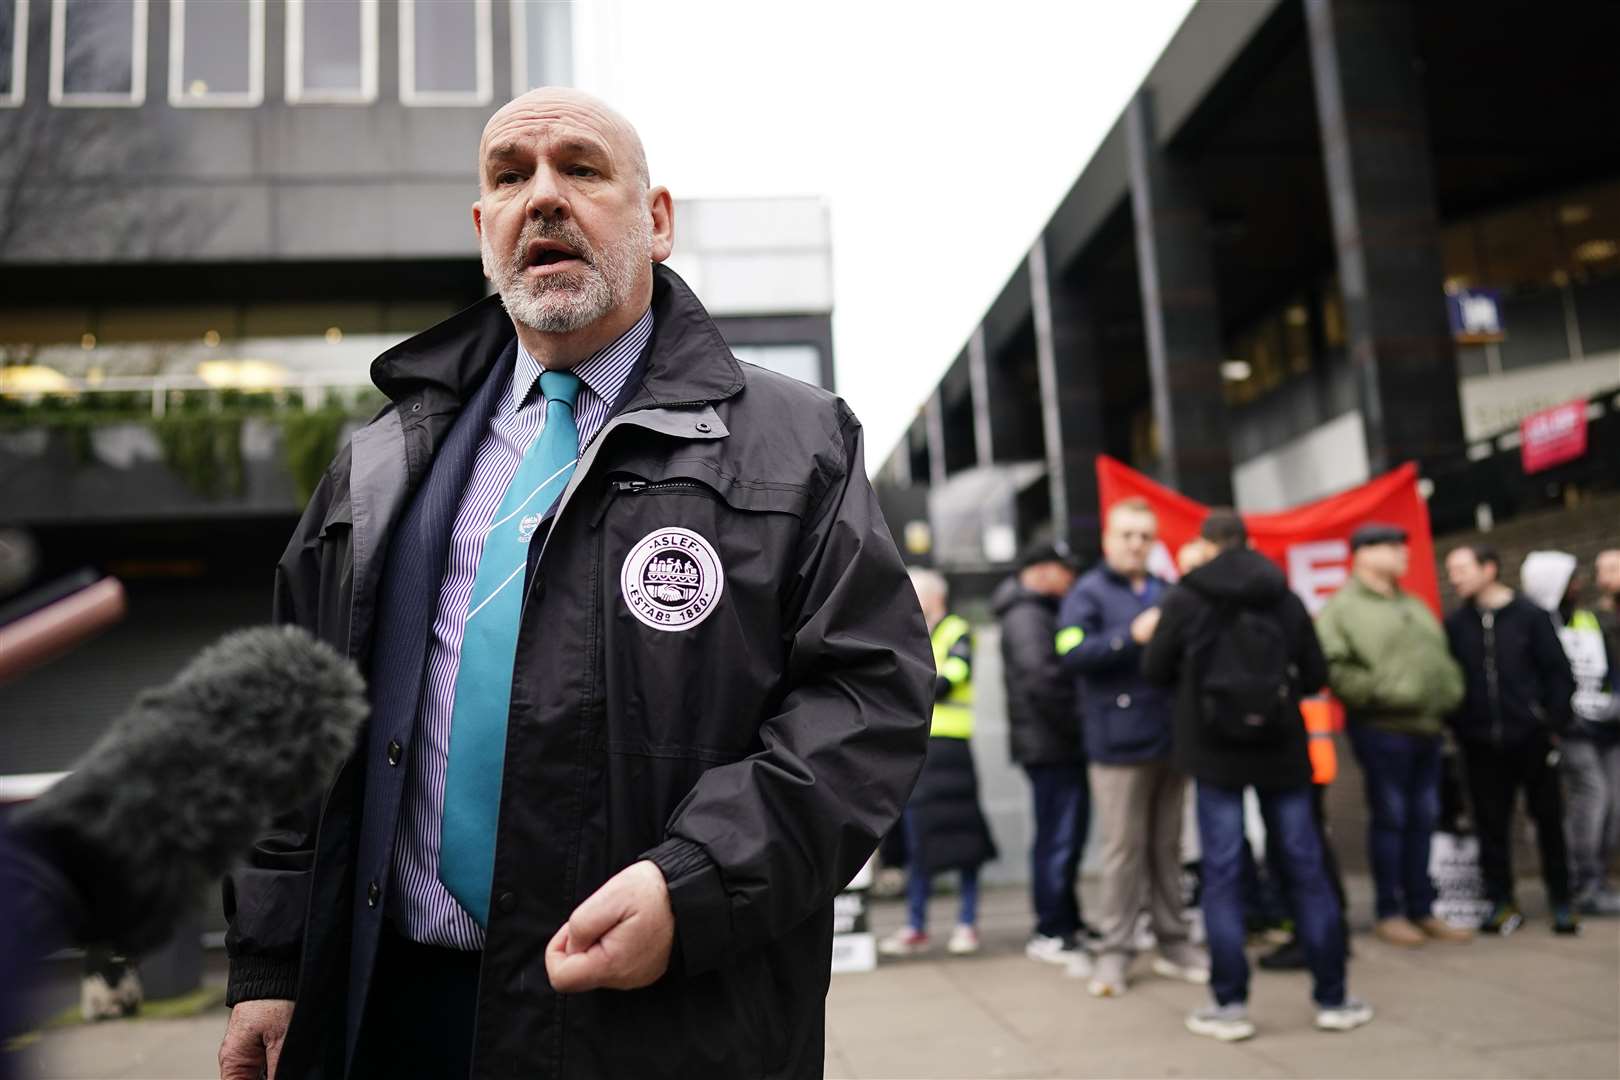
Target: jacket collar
point(688, 361)
point(1114, 577)
point(1368, 591)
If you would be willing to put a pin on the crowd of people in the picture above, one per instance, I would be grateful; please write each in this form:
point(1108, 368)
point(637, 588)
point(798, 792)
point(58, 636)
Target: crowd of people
point(1126, 695)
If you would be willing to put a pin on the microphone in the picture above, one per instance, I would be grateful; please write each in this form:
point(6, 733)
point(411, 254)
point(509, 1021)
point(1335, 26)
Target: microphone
point(179, 787)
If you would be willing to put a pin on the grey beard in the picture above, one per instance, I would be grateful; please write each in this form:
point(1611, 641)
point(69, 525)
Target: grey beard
point(563, 305)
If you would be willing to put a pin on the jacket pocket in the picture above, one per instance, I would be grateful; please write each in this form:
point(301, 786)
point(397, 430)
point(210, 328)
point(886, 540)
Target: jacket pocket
point(691, 610)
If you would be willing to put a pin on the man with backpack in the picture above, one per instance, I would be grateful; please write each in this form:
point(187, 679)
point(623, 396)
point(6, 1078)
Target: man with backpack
point(1239, 649)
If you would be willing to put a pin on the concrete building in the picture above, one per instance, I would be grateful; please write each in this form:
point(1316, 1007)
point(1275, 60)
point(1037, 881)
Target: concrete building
point(213, 216)
point(1324, 238)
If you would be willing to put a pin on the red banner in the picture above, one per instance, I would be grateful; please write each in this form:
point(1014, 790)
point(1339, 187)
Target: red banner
point(1311, 543)
point(1553, 436)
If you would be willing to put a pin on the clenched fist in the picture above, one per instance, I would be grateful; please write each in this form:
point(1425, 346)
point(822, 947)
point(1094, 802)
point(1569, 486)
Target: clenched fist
point(619, 939)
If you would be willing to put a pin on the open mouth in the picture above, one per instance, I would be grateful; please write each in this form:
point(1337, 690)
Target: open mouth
point(550, 254)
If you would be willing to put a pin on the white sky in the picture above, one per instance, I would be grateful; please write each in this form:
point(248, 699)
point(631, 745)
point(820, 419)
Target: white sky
point(941, 134)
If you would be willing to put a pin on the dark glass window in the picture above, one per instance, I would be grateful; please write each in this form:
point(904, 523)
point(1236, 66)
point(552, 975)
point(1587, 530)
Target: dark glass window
point(13, 41)
point(331, 50)
point(445, 52)
point(218, 54)
point(98, 52)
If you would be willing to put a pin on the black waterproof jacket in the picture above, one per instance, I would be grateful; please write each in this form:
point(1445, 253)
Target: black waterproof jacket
point(756, 757)
point(1246, 578)
point(1043, 726)
point(1517, 675)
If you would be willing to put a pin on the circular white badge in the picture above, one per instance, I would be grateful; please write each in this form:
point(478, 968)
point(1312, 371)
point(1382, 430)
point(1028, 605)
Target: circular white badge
point(672, 579)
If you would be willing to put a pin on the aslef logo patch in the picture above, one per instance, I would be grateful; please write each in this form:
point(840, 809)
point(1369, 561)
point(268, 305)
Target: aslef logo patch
point(672, 579)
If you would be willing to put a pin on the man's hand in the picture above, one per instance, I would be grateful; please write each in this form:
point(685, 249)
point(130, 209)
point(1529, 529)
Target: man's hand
point(1143, 625)
point(619, 939)
point(253, 1038)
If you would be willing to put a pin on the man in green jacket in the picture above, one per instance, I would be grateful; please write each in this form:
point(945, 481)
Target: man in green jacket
point(1389, 663)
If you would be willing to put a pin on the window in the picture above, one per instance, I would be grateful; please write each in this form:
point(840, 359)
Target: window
point(13, 51)
point(444, 53)
point(98, 52)
point(331, 51)
point(216, 52)
point(542, 44)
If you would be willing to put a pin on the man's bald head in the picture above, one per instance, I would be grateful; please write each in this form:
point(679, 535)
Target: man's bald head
point(563, 103)
point(568, 226)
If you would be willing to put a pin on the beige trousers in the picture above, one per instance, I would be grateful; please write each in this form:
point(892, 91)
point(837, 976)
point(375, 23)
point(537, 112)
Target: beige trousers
point(1138, 814)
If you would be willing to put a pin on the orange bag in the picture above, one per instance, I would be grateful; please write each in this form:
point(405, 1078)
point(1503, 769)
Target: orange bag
point(1323, 716)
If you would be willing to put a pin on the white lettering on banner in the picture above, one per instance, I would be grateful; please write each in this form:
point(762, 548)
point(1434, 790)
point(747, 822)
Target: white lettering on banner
point(1555, 424)
point(1163, 563)
point(1316, 570)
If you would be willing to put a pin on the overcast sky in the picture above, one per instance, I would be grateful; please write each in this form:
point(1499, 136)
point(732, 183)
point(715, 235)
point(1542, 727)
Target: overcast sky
point(941, 134)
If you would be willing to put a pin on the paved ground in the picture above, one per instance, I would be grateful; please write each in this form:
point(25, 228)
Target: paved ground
point(1529, 1006)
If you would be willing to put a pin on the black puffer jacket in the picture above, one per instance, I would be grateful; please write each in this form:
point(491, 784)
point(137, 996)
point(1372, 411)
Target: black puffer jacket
point(1043, 727)
point(1244, 578)
point(951, 831)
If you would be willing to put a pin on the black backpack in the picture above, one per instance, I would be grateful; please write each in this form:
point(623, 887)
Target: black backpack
point(1245, 678)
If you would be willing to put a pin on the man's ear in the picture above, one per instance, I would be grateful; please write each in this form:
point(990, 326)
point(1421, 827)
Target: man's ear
point(478, 227)
point(662, 208)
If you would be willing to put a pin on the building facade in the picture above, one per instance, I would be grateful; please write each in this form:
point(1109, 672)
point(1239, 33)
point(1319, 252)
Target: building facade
point(1324, 238)
point(213, 215)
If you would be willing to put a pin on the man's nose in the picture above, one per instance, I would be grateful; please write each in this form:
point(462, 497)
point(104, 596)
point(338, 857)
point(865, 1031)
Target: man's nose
point(545, 197)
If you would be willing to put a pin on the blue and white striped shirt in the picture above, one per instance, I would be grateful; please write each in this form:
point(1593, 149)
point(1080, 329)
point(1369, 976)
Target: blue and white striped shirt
point(421, 907)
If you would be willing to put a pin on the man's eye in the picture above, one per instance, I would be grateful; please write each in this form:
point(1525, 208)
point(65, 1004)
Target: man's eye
point(509, 177)
point(581, 170)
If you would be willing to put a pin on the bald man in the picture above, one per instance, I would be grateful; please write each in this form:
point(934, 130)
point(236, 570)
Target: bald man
point(648, 680)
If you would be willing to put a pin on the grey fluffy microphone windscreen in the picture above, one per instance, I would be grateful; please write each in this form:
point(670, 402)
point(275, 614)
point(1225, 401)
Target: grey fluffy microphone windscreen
point(189, 776)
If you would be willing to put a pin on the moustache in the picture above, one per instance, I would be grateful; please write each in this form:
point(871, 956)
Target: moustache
point(564, 232)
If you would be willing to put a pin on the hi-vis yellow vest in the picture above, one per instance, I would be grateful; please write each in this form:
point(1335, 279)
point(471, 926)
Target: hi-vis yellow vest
point(953, 714)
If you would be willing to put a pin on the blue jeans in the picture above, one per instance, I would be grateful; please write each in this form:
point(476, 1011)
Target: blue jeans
point(919, 884)
point(1318, 920)
point(1403, 801)
point(1062, 816)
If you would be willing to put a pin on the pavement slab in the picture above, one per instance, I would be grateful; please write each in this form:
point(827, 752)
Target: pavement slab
point(1531, 1005)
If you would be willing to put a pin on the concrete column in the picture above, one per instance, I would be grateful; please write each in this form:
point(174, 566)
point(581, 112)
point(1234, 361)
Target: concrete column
point(1180, 315)
point(979, 384)
point(900, 463)
point(1068, 362)
point(934, 421)
point(1375, 150)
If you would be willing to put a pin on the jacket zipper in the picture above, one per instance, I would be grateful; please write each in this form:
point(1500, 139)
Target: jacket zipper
point(1492, 682)
point(641, 487)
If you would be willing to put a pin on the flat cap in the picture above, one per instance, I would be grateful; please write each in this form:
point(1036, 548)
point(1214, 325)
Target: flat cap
point(1045, 552)
point(1377, 532)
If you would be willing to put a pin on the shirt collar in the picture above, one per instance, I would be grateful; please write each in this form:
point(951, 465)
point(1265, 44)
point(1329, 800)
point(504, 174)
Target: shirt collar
point(605, 372)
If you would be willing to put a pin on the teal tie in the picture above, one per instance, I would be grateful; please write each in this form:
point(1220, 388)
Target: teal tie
point(472, 782)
